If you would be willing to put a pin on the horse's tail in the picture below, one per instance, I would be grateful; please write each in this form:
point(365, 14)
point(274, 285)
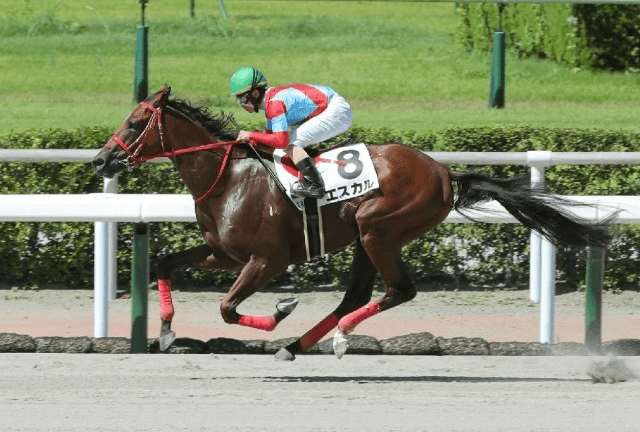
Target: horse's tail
point(532, 207)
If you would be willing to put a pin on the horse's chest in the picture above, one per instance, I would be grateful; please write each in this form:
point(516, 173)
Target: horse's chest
point(233, 222)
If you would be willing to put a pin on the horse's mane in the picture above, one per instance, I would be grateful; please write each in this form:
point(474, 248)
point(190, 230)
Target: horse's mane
point(215, 124)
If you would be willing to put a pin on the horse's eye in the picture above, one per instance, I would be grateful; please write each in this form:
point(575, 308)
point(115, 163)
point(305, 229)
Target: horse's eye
point(134, 125)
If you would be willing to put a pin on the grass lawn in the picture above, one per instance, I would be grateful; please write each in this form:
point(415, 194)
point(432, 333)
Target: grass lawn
point(70, 63)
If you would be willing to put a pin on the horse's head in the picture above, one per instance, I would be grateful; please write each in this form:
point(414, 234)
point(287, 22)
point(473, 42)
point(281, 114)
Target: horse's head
point(139, 137)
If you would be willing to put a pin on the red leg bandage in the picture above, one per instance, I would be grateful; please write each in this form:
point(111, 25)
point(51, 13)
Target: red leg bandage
point(267, 323)
point(166, 304)
point(348, 322)
point(310, 338)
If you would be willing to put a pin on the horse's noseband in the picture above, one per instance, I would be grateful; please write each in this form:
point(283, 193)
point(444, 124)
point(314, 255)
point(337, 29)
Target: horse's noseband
point(134, 158)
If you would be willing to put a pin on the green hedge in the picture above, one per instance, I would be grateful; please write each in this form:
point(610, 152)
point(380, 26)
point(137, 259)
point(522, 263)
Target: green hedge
point(604, 37)
point(481, 254)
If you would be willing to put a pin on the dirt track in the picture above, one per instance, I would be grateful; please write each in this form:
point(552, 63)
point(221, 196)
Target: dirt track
point(496, 316)
point(65, 392)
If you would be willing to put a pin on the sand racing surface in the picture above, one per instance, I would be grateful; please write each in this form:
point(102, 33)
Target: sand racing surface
point(85, 392)
point(497, 315)
point(216, 392)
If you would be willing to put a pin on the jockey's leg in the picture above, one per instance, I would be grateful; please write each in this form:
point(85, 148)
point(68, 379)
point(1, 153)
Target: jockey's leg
point(312, 185)
point(334, 120)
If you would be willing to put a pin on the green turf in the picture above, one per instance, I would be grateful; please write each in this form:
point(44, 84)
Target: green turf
point(68, 63)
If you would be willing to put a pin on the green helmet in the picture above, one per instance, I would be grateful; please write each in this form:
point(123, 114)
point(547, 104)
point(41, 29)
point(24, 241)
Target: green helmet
point(246, 79)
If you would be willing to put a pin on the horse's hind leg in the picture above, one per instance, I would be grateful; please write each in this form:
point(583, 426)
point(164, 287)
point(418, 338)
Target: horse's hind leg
point(386, 259)
point(357, 295)
point(198, 257)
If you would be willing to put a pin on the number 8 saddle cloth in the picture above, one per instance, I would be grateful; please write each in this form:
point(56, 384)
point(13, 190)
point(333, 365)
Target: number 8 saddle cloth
point(347, 172)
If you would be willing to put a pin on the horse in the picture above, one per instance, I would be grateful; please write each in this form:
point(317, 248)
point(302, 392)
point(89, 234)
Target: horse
point(250, 227)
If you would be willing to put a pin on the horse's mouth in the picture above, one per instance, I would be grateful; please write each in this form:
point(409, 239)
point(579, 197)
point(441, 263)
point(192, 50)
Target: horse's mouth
point(108, 164)
point(107, 171)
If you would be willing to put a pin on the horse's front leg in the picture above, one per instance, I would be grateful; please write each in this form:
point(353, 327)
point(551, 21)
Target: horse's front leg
point(253, 276)
point(197, 257)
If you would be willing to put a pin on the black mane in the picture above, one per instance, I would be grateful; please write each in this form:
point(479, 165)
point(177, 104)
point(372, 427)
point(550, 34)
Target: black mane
point(218, 125)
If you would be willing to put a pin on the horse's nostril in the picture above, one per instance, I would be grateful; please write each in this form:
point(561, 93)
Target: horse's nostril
point(97, 162)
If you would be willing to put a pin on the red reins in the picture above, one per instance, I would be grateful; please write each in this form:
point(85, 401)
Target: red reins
point(156, 118)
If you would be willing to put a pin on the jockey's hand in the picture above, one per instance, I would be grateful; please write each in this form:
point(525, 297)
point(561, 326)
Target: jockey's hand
point(243, 135)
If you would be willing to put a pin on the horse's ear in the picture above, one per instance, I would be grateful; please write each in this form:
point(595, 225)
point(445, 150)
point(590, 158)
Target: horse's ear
point(159, 96)
point(166, 91)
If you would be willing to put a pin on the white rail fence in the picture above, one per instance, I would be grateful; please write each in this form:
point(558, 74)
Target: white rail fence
point(108, 208)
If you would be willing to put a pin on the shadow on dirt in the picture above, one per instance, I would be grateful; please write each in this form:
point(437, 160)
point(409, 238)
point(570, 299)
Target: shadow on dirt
point(421, 378)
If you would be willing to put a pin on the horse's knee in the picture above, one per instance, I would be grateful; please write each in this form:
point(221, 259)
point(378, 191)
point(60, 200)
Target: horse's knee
point(163, 267)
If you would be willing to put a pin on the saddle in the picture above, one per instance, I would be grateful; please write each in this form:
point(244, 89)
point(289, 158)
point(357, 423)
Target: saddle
point(347, 171)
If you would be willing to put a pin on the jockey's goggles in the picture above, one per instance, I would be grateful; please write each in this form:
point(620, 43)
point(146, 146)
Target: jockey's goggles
point(243, 99)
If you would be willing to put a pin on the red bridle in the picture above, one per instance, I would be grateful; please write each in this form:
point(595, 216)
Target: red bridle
point(156, 119)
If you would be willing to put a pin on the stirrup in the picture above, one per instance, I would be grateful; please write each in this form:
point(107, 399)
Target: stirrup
point(307, 190)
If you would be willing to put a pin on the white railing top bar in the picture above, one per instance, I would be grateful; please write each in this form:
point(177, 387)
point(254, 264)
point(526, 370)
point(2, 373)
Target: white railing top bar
point(52, 155)
point(524, 158)
point(468, 158)
point(110, 207)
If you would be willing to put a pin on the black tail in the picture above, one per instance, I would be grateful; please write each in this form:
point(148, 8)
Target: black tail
point(534, 208)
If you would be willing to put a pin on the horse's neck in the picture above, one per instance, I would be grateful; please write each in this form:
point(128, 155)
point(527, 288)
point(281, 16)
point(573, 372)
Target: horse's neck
point(199, 169)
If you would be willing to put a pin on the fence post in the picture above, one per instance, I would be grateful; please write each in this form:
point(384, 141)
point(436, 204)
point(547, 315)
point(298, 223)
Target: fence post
point(547, 292)
point(100, 281)
point(141, 80)
point(223, 10)
point(497, 85)
point(535, 242)
point(593, 313)
point(105, 272)
point(538, 161)
point(111, 186)
point(542, 284)
point(139, 288)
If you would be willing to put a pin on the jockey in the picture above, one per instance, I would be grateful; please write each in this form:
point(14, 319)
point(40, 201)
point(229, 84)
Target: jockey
point(298, 116)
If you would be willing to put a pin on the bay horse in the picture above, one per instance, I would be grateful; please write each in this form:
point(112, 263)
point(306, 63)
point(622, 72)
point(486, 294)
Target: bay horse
point(251, 228)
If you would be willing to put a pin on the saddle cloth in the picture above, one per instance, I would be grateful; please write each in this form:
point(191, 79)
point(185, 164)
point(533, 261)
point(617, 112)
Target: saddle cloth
point(347, 172)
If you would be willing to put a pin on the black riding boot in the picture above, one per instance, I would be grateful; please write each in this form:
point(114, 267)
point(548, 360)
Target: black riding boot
point(312, 185)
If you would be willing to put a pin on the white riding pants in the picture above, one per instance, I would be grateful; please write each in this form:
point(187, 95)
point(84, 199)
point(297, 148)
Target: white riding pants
point(333, 121)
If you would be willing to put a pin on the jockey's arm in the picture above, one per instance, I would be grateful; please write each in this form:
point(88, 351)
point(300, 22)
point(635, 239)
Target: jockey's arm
point(277, 133)
point(270, 139)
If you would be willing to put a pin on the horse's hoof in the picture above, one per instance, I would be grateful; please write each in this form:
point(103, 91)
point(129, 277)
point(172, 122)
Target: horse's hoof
point(166, 339)
point(340, 344)
point(287, 306)
point(284, 355)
